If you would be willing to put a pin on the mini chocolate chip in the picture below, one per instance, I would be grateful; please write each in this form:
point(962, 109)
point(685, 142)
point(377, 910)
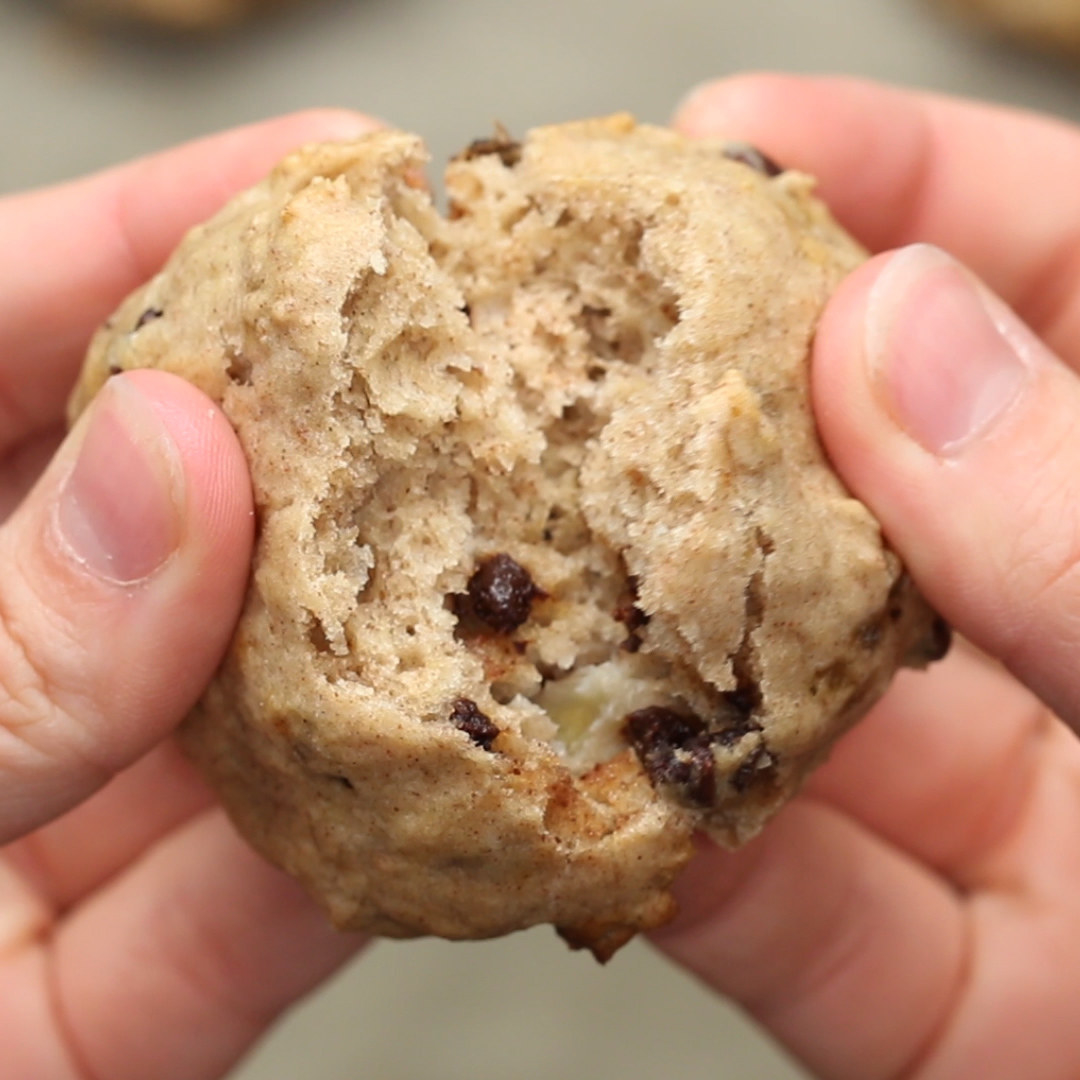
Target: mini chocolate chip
point(674, 748)
point(149, 315)
point(507, 149)
point(940, 638)
point(735, 730)
point(745, 698)
point(757, 766)
point(869, 635)
point(632, 617)
point(344, 781)
point(749, 155)
point(115, 369)
point(502, 592)
point(657, 725)
point(933, 645)
point(465, 716)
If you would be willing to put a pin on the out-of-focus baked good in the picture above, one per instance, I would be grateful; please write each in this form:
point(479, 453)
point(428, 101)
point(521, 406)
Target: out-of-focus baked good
point(1052, 25)
point(182, 15)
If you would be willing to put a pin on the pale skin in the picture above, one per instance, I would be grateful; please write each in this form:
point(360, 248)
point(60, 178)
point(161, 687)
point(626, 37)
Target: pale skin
point(913, 915)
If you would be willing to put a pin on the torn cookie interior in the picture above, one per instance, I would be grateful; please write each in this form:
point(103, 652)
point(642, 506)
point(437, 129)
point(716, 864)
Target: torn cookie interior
point(498, 482)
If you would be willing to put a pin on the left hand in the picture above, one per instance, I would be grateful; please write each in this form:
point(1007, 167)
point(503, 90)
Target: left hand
point(139, 936)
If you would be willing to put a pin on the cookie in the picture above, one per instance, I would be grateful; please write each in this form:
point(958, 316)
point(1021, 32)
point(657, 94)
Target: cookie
point(182, 15)
point(1052, 25)
point(551, 570)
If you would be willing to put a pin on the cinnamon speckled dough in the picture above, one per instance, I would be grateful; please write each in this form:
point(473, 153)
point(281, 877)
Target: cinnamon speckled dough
point(1049, 24)
point(523, 472)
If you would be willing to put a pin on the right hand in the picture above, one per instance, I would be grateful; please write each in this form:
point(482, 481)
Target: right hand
point(916, 913)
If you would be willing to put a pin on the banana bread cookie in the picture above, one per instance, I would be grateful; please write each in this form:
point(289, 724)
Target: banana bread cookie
point(183, 15)
point(1052, 25)
point(551, 570)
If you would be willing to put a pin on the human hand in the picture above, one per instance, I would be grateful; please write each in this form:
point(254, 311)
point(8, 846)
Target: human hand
point(139, 936)
point(916, 913)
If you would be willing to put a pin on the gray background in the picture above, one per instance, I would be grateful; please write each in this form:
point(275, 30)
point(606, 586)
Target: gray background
point(73, 100)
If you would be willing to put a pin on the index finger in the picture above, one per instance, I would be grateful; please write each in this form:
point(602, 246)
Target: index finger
point(996, 187)
point(72, 252)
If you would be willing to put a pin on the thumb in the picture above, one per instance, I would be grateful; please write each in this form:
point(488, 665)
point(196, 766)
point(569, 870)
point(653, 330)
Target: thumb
point(958, 427)
point(124, 571)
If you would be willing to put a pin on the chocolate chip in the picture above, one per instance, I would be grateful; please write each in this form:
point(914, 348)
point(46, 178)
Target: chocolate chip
point(465, 716)
point(631, 616)
point(756, 767)
point(344, 781)
point(149, 315)
point(502, 592)
point(871, 632)
point(674, 748)
point(735, 730)
point(940, 638)
point(744, 699)
point(507, 149)
point(737, 707)
point(751, 156)
point(933, 645)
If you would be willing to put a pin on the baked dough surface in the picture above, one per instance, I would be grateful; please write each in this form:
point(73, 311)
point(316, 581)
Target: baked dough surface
point(551, 570)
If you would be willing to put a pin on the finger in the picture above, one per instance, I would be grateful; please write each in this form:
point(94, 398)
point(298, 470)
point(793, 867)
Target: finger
point(126, 568)
point(24, 464)
point(71, 253)
point(176, 968)
point(944, 794)
point(1016, 1016)
point(66, 860)
point(957, 427)
point(801, 927)
point(994, 186)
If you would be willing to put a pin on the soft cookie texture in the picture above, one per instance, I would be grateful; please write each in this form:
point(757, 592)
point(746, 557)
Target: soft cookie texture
point(551, 570)
point(1052, 25)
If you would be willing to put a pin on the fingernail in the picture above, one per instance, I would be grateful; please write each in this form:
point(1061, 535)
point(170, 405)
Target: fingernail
point(946, 356)
point(120, 510)
point(343, 124)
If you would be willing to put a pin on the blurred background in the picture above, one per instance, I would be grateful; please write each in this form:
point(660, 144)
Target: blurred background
point(77, 96)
